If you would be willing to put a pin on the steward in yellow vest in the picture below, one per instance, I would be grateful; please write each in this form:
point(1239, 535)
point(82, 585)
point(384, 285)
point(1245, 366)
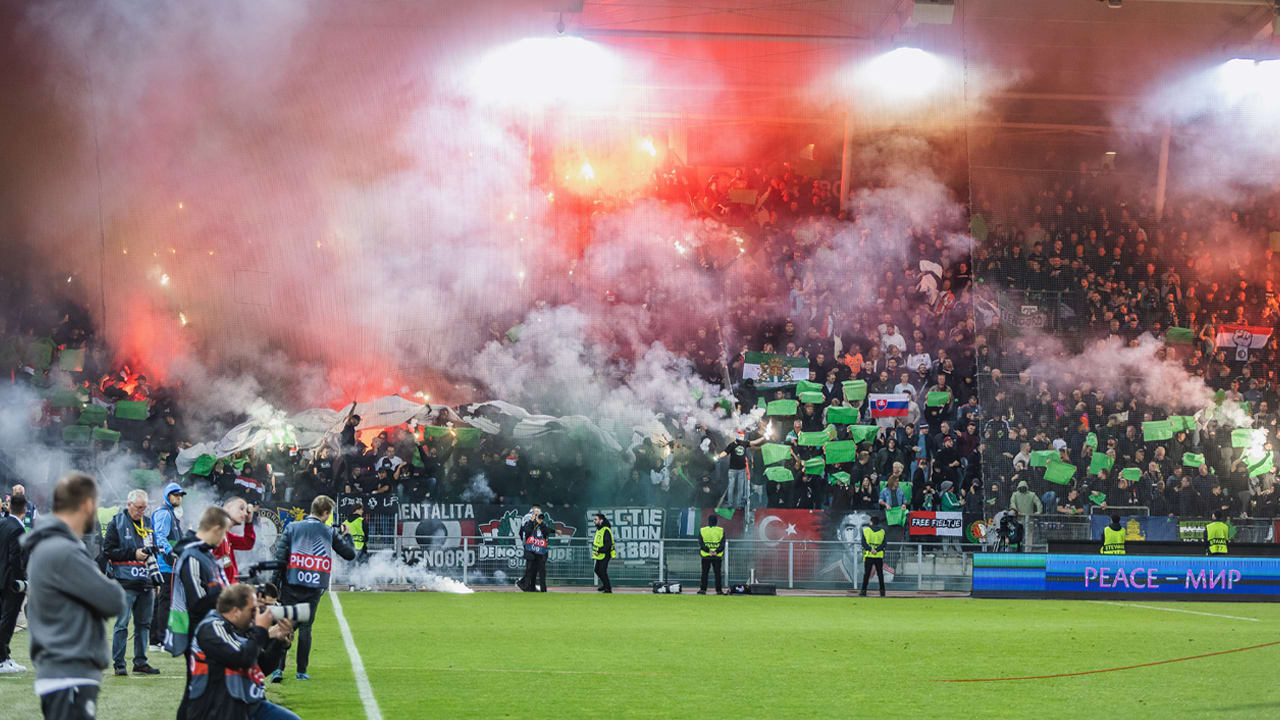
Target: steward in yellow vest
point(711, 544)
point(1216, 534)
point(1113, 537)
point(356, 529)
point(602, 551)
point(872, 553)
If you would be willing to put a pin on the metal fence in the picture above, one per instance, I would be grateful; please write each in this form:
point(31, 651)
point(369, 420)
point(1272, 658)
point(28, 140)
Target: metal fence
point(801, 564)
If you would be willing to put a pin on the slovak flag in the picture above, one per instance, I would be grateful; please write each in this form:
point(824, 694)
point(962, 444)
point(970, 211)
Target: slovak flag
point(888, 404)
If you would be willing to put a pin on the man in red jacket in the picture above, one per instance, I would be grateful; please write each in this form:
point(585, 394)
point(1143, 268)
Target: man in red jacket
point(241, 514)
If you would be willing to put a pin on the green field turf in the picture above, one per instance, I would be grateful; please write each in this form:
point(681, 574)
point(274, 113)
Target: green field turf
point(559, 655)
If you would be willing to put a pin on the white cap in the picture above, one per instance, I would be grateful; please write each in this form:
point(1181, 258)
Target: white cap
point(1059, 444)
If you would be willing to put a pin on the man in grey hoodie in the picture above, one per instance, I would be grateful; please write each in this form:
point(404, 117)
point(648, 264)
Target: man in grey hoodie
point(69, 600)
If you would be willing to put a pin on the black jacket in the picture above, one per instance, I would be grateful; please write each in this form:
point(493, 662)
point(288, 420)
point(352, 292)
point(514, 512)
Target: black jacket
point(13, 562)
point(223, 648)
point(121, 545)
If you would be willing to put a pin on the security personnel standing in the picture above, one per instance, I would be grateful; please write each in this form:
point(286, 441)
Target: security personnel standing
point(603, 550)
point(872, 553)
point(355, 528)
point(711, 544)
point(1216, 534)
point(1113, 537)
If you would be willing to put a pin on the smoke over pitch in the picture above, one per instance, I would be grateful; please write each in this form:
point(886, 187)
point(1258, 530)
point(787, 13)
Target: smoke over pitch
point(304, 203)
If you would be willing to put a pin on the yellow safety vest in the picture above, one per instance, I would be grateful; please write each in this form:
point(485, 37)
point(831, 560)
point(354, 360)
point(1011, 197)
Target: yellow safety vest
point(1112, 541)
point(355, 526)
point(712, 537)
point(1217, 533)
point(874, 538)
point(598, 542)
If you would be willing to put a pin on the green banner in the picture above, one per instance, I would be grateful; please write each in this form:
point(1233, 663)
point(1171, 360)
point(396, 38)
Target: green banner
point(1091, 440)
point(1131, 474)
point(1157, 431)
point(1041, 458)
point(841, 451)
point(863, 433)
point(812, 398)
point(93, 415)
point(815, 466)
point(782, 407)
point(805, 386)
point(855, 390)
point(1192, 459)
point(1059, 472)
point(1179, 336)
point(105, 435)
point(812, 439)
point(842, 415)
point(838, 478)
point(779, 474)
point(775, 453)
point(1099, 462)
point(131, 410)
point(468, 437)
point(1245, 437)
point(937, 398)
point(896, 515)
point(71, 359)
point(204, 465)
point(75, 435)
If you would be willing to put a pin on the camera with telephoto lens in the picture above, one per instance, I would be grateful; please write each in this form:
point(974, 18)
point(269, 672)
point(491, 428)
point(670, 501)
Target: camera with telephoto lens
point(297, 614)
point(19, 586)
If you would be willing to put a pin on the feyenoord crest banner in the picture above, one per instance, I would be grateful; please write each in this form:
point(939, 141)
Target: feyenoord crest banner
point(774, 370)
point(1243, 338)
point(927, 522)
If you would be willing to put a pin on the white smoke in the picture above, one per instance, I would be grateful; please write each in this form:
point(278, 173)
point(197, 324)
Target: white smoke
point(382, 568)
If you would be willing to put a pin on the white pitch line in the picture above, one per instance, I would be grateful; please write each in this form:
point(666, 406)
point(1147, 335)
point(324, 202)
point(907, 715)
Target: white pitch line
point(371, 710)
point(1177, 610)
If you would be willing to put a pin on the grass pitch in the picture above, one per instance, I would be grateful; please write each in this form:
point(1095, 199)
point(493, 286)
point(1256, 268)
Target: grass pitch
point(500, 654)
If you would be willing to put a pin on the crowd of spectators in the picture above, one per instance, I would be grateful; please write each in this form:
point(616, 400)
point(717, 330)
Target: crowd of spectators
point(861, 291)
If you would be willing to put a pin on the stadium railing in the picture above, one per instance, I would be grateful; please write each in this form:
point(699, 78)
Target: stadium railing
point(789, 564)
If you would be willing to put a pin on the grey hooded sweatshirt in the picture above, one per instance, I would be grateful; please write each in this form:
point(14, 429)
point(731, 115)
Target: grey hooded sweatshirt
point(68, 600)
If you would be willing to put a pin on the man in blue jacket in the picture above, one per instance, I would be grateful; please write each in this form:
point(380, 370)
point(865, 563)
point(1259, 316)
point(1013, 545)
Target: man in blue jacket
point(167, 527)
point(534, 534)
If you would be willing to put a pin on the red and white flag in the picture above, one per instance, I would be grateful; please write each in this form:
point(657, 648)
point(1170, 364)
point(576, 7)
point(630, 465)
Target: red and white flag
point(1243, 338)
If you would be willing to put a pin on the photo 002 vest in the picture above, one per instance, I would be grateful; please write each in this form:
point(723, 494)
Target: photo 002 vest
point(310, 553)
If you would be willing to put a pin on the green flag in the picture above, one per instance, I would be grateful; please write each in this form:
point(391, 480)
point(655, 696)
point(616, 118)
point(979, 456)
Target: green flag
point(838, 477)
point(812, 439)
point(1041, 458)
point(105, 435)
point(434, 431)
point(855, 390)
point(863, 433)
point(696, 393)
point(726, 513)
point(812, 398)
point(779, 474)
point(1091, 440)
point(131, 410)
point(1179, 336)
point(841, 451)
point(805, 386)
point(40, 353)
point(896, 515)
point(842, 415)
point(1157, 431)
point(815, 466)
point(1059, 472)
point(1099, 462)
point(71, 359)
point(1245, 437)
point(204, 465)
point(774, 370)
point(1098, 497)
point(65, 399)
point(513, 334)
point(1182, 422)
point(937, 398)
point(1192, 459)
point(146, 478)
point(1131, 474)
point(1265, 465)
point(75, 435)
point(775, 453)
point(93, 415)
point(782, 407)
point(468, 437)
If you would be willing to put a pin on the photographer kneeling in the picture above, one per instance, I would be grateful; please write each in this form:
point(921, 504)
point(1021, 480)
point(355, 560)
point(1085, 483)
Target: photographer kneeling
point(226, 680)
